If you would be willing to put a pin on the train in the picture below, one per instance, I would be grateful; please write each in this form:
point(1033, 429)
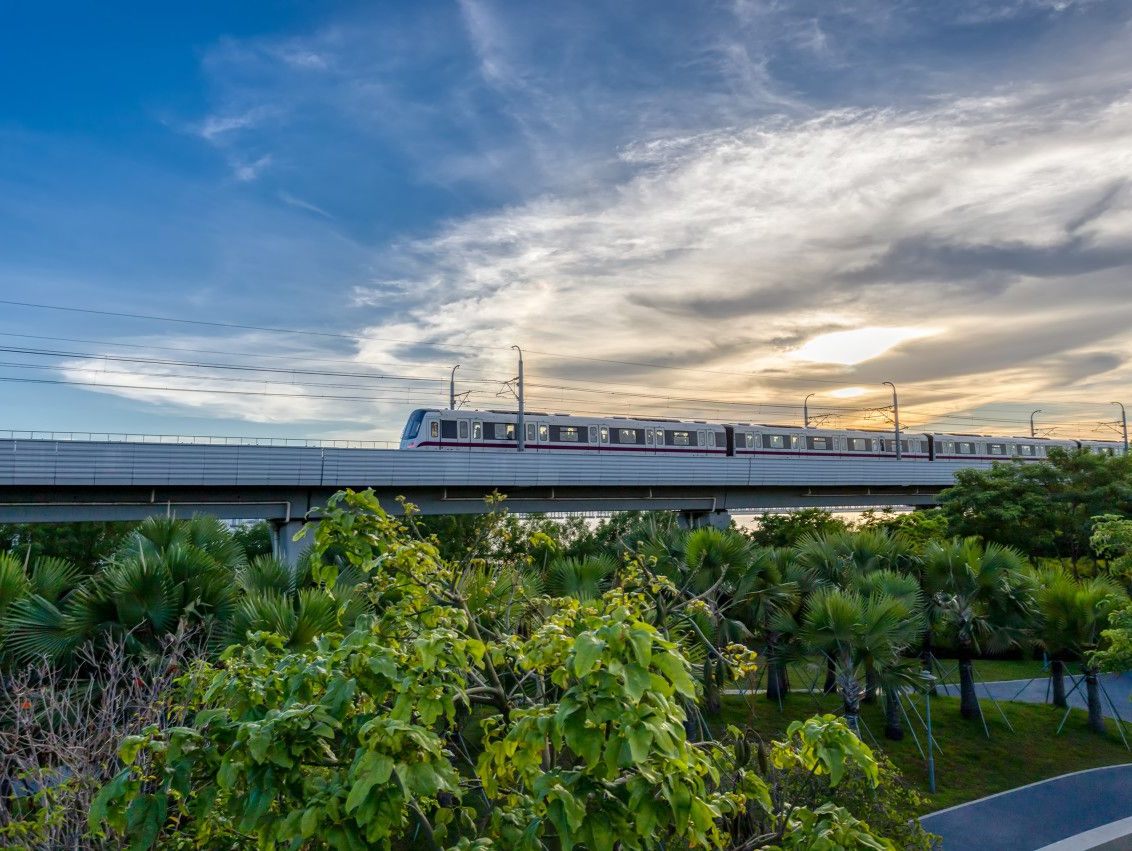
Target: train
point(474, 431)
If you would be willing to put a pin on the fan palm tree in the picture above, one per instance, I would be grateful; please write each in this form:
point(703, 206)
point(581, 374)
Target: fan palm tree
point(982, 599)
point(772, 583)
point(837, 559)
point(1074, 613)
point(583, 578)
point(891, 675)
point(30, 596)
point(855, 630)
point(283, 599)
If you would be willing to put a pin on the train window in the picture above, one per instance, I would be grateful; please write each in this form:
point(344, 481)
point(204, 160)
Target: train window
point(463, 429)
point(1026, 450)
point(777, 441)
point(858, 444)
point(434, 429)
point(819, 443)
point(996, 449)
point(447, 429)
point(700, 440)
point(626, 435)
point(568, 434)
point(750, 441)
point(648, 436)
point(680, 438)
point(530, 432)
point(795, 442)
point(965, 448)
point(504, 431)
point(477, 430)
point(544, 432)
point(660, 437)
point(711, 438)
point(593, 434)
point(605, 434)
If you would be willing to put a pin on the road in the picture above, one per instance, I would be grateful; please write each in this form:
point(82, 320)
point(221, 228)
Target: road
point(1118, 686)
point(1032, 817)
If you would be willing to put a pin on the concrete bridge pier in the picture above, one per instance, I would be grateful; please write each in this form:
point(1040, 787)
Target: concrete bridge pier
point(287, 549)
point(697, 518)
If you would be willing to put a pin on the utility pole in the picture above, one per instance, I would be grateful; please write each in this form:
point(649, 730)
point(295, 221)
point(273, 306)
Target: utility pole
point(520, 435)
point(1032, 433)
point(895, 417)
point(452, 389)
point(806, 411)
point(1123, 423)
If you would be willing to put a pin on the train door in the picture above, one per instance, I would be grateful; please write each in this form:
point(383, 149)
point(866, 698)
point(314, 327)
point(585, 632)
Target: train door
point(543, 435)
point(463, 432)
point(603, 432)
point(529, 440)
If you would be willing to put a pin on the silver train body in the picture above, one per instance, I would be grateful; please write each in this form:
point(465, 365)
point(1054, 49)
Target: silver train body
point(479, 431)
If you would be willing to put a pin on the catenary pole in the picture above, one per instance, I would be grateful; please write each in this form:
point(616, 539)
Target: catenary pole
point(1123, 423)
point(806, 411)
point(520, 442)
point(895, 417)
point(452, 389)
point(1032, 432)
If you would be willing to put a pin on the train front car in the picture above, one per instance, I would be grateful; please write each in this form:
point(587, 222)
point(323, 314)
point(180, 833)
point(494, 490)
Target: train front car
point(795, 441)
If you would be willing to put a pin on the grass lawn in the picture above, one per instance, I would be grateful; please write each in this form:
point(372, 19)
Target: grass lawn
point(970, 765)
point(802, 674)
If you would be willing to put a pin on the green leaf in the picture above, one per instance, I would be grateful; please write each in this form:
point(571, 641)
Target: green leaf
point(640, 741)
point(637, 681)
point(128, 751)
point(587, 650)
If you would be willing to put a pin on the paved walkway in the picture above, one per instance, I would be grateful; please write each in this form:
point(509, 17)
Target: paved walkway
point(1118, 686)
point(1032, 817)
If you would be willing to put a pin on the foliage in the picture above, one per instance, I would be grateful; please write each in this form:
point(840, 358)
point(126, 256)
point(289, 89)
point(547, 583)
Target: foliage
point(255, 539)
point(914, 527)
point(1116, 654)
point(59, 733)
point(786, 530)
point(84, 545)
point(1112, 540)
point(1041, 509)
point(526, 722)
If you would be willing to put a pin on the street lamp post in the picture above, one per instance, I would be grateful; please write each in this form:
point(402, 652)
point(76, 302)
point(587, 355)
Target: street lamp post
point(1123, 423)
point(895, 417)
point(520, 443)
point(806, 411)
point(452, 388)
point(1032, 433)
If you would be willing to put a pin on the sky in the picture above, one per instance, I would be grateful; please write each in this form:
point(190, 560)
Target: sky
point(293, 219)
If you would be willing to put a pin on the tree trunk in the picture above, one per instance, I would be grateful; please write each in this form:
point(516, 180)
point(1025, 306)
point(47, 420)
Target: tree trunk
point(1096, 711)
point(893, 722)
point(872, 685)
point(1057, 676)
point(852, 713)
point(776, 685)
point(968, 701)
point(711, 689)
point(830, 676)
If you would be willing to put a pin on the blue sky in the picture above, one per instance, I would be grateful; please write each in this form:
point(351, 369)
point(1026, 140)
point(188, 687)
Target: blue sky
point(669, 205)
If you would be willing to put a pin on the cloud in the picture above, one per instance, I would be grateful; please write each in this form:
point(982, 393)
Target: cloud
point(247, 172)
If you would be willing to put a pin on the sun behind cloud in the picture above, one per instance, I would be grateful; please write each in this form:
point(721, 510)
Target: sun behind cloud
point(857, 346)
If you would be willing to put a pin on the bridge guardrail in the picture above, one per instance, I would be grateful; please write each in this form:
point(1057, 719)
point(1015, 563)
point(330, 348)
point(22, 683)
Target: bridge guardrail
point(193, 440)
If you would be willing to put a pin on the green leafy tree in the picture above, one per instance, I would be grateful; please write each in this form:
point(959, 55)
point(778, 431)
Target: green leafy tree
point(369, 740)
point(916, 528)
point(981, 599)
point(786, 530)
point(1041, 509)
point(84, 545)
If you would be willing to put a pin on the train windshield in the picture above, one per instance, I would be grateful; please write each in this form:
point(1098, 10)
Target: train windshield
point(413, 426)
